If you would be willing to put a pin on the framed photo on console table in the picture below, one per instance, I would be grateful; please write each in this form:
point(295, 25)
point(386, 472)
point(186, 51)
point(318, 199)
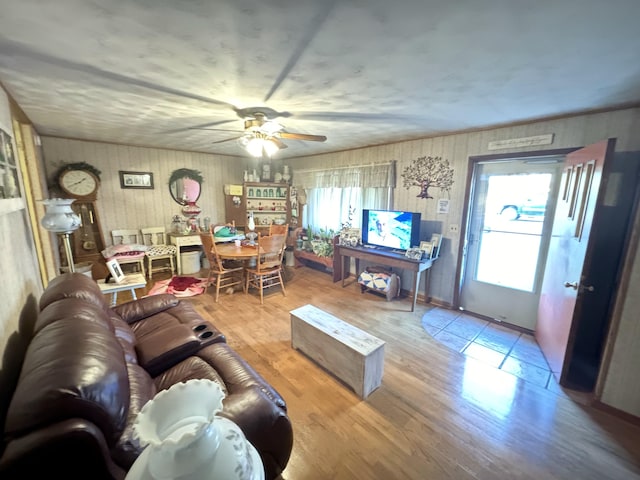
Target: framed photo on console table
point(414, 254)
point(436, 240)
point(427, 248)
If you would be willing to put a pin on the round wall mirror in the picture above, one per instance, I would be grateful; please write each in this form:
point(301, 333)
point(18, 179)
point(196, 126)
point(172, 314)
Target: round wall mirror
point(185, 185)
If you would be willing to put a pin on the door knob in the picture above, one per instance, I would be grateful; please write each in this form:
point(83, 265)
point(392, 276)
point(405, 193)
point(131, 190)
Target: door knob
point(573, 285)
point(588, 288)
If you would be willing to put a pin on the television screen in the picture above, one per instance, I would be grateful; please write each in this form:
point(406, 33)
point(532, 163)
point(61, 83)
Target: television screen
point(390, 229)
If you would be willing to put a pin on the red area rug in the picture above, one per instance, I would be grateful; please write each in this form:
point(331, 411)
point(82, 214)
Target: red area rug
point(180, 286)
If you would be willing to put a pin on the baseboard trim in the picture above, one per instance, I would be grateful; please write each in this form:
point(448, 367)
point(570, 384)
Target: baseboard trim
point(616, 412)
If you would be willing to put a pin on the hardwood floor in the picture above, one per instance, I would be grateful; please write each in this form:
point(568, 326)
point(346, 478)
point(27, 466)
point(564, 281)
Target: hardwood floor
point(437, 415)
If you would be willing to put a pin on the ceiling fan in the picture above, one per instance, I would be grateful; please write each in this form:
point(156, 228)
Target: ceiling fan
point(262, 133)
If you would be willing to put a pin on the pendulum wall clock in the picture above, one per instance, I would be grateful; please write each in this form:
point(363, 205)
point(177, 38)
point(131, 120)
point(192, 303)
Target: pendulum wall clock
point(79, 182)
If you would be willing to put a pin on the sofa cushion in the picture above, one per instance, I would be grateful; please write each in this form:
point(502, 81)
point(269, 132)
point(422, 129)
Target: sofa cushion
point(142, 390)
point(161, 349)
point(236, 372)
point(78, 308)
point(72, 369)
point(145, 307)
point(73, 285)
point(126, 337)
point(181, 313)
point(188, 369)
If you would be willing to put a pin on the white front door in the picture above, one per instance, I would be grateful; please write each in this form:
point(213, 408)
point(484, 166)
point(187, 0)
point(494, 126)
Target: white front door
point(510, 221)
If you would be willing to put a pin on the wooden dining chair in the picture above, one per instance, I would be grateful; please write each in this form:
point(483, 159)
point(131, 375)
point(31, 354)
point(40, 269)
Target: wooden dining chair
point(221, 275)
point(278, 229)
point(268, 270)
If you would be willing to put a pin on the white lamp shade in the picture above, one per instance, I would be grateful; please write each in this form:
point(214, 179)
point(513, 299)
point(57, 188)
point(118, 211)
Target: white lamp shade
point(59, 216)
point(186, 439)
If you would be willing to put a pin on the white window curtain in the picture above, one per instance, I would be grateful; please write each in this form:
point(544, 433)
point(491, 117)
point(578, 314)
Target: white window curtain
point(332, 192)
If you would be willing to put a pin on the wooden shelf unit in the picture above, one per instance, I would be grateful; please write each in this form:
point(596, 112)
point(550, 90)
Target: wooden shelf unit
point(269, 203)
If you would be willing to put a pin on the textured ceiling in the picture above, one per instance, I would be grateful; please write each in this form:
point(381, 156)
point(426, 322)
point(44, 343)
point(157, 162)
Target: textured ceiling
point(361, 72)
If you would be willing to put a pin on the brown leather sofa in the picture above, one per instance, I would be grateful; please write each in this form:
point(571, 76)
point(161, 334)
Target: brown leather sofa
point(90, 368)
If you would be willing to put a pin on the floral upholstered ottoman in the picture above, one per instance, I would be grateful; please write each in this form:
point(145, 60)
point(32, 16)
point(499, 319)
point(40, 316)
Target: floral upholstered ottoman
point(380, 280)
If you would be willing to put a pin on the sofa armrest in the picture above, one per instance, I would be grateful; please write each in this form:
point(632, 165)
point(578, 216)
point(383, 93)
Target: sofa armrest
point(162, 349)
point(56, 448)
point(264, 423)
point(145, 307)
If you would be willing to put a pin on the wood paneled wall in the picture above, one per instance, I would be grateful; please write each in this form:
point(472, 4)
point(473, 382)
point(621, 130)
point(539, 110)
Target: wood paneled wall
point(568, 132)
point(619, 391)
point(137, 208)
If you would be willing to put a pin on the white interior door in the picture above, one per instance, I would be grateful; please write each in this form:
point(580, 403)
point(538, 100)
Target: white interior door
point(510, 220)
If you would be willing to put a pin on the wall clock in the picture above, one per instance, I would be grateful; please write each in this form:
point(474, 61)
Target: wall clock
point(79, 183)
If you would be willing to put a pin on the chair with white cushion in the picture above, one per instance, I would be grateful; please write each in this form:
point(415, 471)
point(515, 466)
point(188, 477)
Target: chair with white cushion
point(127, 248)
point(155, 238)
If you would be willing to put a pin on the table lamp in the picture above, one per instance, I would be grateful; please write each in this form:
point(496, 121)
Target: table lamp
point(184, 437)
point(251, 226)
point(61, 219)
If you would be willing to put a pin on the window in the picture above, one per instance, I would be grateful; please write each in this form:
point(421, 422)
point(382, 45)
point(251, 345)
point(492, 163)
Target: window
point(332, 192)
point(328, 208)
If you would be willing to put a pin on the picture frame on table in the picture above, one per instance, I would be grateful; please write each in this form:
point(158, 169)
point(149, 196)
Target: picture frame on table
point(116, 272)
point(436, 240)
point(427, 248)
point(136, 179)
point(349, 237)
point(414, 254)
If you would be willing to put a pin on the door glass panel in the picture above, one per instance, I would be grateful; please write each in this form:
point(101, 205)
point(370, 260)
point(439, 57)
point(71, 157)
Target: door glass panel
point(510, 217)
point(511, 233)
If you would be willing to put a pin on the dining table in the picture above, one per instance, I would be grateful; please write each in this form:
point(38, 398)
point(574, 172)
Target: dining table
point(231, 251)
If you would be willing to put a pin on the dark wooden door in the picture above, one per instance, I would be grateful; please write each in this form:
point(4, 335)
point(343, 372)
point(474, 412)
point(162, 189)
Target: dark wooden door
point(570, 254)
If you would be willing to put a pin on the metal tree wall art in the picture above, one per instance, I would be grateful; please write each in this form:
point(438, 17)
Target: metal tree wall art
point(425, 172)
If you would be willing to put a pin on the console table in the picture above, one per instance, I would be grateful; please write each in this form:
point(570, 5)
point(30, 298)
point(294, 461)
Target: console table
point(385, 257)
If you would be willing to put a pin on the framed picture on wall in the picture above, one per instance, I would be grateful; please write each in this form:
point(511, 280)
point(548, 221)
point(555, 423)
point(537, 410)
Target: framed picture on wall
point(136, 179)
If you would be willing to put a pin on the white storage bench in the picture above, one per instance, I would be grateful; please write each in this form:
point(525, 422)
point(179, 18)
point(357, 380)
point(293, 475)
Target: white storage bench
point(351, 354)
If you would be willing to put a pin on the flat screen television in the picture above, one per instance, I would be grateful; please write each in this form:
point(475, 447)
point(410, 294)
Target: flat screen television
point(390, 229)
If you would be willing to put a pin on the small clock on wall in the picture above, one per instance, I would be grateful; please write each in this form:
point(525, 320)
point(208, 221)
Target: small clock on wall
point(79, 180)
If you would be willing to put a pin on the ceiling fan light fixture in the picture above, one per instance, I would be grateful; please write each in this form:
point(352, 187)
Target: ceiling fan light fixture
point(256, 146)
point(270, 147)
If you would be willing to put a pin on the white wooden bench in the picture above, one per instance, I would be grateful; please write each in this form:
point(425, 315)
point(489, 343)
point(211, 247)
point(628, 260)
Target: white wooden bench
point(352, 355)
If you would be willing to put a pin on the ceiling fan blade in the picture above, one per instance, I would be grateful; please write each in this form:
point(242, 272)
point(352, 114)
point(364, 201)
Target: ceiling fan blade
point(228, 139)
point(253, 112)
point(216, 129)
point(354, 117)
point(302, 136)
point(197, 127)
point(277, 141)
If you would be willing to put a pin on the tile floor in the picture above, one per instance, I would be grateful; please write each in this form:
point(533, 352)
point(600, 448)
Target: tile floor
point(501, 347)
